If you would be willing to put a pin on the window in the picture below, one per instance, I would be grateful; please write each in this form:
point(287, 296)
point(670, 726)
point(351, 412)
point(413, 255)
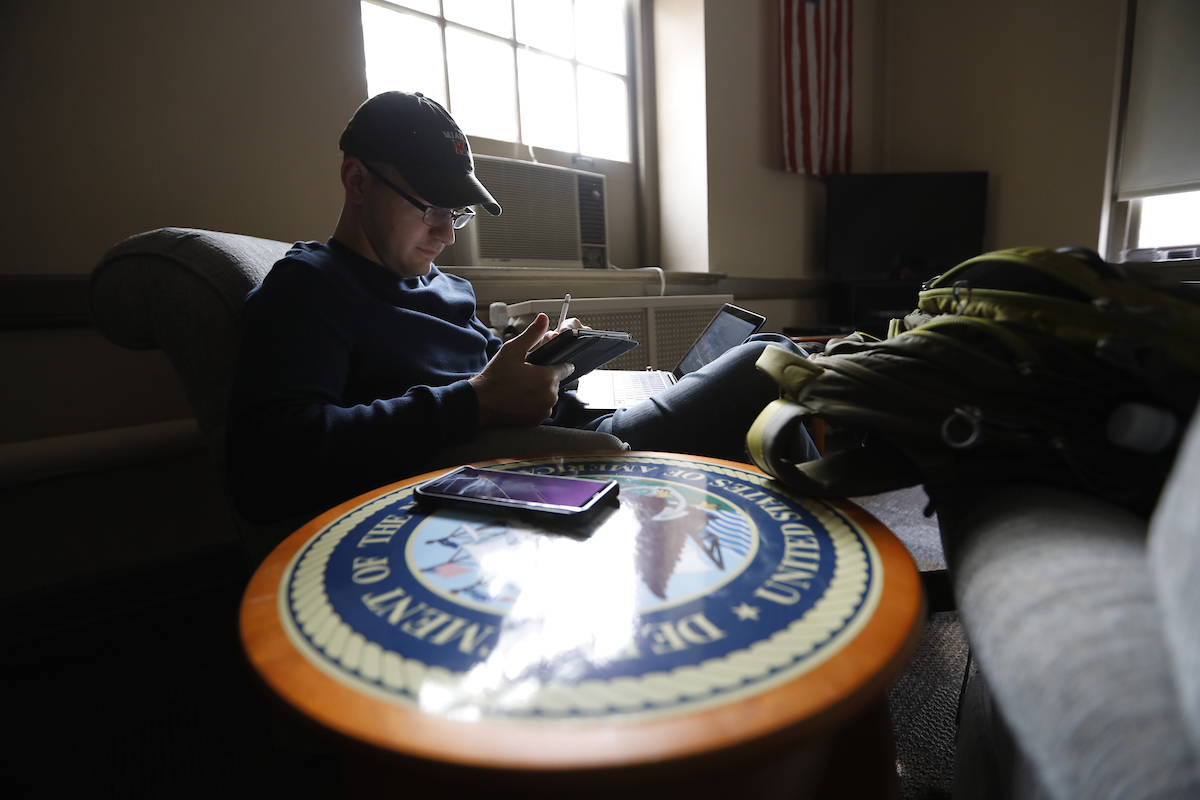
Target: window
point(1155, 203)
point(548, 73)
point(1168, 220)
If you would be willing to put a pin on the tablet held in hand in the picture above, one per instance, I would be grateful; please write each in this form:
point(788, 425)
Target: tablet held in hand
point(586, 349)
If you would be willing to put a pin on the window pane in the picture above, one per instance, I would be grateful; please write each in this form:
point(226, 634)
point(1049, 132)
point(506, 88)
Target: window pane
point(1169, 220)
point(428, 6)
point(603, 115)
point(546, 25)
point(547, 101)
point(483, 85)
point(403, 52)
point(600, 33)
point(493, 16)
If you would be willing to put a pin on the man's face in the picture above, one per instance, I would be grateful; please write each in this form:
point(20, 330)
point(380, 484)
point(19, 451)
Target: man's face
point(395, 228)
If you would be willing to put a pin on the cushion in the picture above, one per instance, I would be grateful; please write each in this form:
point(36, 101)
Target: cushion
point(1175, 563)
point(1058, 601)
point(182, 290)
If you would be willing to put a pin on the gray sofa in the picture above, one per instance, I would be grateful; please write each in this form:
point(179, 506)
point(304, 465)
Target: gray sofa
point(182, 290)
point(1084, 622)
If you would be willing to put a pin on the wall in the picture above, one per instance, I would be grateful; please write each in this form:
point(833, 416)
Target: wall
point(761, 220)
point(683, 120)
point(127, 116)
point(726, 205)
point(223, 114)
point(1020, 88)
point(137, 114)
point(751, 217)
point(719, 143)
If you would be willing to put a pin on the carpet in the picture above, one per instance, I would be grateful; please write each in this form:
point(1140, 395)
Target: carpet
point(924, 699)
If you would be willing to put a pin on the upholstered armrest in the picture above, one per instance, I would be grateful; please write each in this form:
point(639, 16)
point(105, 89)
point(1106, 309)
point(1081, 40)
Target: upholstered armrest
point(1175, 565)
point(182, 290)
point(1058, 601)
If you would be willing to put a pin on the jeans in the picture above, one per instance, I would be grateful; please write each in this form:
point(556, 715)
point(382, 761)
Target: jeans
point(709, 411)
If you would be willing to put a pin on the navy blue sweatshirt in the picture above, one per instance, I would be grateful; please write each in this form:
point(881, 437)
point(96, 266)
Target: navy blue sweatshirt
point(348, 377)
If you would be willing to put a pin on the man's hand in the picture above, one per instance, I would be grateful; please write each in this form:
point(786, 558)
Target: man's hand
point(570, 324)
point(512, 392)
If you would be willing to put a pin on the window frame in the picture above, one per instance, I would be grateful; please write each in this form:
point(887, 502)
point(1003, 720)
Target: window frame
point(633, 109)
point(1121, 219)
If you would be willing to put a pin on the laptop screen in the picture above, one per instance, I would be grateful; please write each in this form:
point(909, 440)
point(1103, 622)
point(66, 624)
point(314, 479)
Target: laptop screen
point(729, 328)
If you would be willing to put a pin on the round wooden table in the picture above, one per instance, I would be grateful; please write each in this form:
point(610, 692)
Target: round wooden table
point(714, 635)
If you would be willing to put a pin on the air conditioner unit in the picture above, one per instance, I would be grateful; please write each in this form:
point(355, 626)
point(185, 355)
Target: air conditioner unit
point(553, 217)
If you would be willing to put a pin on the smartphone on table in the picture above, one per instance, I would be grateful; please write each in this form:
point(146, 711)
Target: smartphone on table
point(557, 497)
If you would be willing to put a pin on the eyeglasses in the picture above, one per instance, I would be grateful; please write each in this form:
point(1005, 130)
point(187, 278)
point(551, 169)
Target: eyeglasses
point(434, 217)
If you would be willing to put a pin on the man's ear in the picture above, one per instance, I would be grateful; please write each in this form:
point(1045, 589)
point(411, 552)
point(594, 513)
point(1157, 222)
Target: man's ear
point(354, 176)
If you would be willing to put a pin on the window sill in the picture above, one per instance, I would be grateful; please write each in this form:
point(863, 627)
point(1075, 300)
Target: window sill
point(514, 284)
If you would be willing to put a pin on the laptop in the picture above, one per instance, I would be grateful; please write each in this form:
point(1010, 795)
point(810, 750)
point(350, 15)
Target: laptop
point(610, 389)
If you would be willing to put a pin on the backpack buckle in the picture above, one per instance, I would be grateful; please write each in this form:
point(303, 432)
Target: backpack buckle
point(953, 433)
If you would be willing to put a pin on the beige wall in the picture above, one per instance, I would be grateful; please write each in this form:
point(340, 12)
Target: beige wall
point(225, 115)
point(1020, 88)
point(221, 114)
point(726, 200)
point(684, 117)
point(720, 166)
point(761, 220)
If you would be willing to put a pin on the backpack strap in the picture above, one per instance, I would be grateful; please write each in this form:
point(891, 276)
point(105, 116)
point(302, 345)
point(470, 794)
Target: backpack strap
point(790, 370)
point(858, 471)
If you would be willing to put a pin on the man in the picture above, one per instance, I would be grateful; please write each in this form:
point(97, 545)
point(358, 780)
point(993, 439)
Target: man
point(360, 360)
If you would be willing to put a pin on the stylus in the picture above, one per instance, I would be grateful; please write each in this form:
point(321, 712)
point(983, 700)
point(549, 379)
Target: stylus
point(562, 315)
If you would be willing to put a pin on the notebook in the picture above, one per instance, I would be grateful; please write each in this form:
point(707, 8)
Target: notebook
point(620, 388)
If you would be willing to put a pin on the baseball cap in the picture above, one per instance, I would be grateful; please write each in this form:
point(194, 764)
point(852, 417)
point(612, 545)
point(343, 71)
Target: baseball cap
point(421, 140)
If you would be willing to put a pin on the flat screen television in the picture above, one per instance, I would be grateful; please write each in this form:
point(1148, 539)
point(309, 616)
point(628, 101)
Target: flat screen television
point(905, 224)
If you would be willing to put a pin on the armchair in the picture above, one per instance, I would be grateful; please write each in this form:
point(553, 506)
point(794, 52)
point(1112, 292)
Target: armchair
point(182, 290)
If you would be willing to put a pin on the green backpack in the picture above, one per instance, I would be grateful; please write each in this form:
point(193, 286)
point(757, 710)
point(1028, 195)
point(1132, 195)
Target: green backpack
point(1022, 364)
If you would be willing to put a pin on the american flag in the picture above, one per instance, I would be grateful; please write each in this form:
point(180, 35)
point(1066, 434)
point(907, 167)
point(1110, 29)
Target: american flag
point(815, 43)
